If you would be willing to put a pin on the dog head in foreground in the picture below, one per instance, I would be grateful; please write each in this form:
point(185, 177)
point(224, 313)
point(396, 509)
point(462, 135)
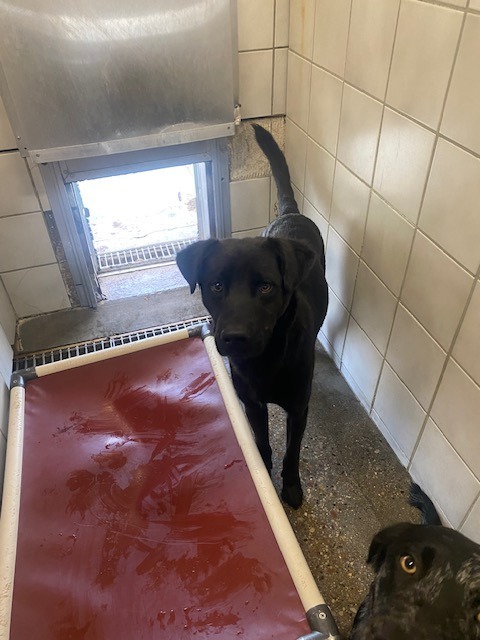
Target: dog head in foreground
point(426, 584)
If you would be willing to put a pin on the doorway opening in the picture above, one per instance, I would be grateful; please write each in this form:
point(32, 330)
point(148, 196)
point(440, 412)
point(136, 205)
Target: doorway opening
point(157, 200)
point(137, 222)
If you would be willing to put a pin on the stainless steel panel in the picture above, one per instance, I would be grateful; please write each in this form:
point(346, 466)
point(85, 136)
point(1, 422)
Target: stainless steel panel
point(85, 77)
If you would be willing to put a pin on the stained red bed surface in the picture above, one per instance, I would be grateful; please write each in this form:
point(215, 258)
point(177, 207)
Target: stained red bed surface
point(138, 518)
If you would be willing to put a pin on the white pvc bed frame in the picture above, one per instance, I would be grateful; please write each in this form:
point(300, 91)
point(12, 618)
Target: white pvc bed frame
point(317, 611)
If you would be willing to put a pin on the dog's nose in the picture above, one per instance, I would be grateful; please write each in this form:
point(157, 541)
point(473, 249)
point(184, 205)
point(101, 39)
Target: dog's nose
point(234, 338)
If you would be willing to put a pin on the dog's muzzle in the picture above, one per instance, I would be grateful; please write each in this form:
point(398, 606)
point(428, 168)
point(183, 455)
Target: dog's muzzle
point(237, 343)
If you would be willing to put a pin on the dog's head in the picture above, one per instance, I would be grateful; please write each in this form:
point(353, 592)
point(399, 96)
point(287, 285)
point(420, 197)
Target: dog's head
point(247, 285)
point(426, 586)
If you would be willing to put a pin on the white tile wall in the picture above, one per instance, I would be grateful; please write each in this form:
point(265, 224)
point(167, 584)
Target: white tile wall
point(361, 361)
point(319, 170)
point(255, 24)
point(16, 188)
point(25, 242)
point(309, 211)
point(450, 210)
point(400, 414)
point(296, 153)
point(349, 208)
point(427, 36)
point(388, 239)
point(301, 26)
point(403, 159)
point(467, 346)
point(36, 290)
point(282, 22)
point(263, 35)
point(415, 356)
point(360, 120)
point(401, 79)
point(250, 203)
point(441, 472)
point(373, 307)
point(298, 89)
point(334, 328)
point(280, 64)
point(456, 411)
point(332, 18)
point(342, 265)
point(460, 120)
point(436, 290)
point(255, 79)
point(324, 113)
point(372, 32)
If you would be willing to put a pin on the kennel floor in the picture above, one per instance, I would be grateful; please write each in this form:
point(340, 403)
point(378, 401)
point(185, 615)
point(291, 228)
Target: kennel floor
point(138, 516)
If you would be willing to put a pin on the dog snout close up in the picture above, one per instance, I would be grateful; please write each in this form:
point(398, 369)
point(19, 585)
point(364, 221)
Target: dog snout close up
point(426, 583)
point(237, 341)
point(267, 297)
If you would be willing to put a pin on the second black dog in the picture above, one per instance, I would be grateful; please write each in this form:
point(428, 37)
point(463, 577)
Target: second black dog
point(426, 584)
point(268, 298)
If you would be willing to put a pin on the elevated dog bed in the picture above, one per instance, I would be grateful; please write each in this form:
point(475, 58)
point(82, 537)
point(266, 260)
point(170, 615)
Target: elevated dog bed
point(136, 505)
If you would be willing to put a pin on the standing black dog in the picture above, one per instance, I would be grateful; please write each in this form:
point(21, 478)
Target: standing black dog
point(426, 584)
point(268, 298)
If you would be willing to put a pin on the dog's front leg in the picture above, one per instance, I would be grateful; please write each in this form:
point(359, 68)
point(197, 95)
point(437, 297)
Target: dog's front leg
point(257, 414)
point(292, 488)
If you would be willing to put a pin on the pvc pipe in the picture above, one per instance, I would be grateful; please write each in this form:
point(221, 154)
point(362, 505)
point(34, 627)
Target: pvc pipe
point(286, 539)
point(11, 506)
point(113, 352)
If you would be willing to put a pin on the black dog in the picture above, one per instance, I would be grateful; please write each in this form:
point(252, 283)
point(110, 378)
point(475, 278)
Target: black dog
point(268, 298)
point(427, 582)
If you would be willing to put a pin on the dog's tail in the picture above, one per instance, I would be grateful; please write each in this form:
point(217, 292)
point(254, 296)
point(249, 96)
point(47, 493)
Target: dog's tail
point(419, 499)
point(281, 174)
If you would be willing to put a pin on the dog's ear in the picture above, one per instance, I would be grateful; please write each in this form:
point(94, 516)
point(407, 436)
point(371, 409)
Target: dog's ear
point(295, 260)
point(381, 541)
point(190, 260)
point(376, 553)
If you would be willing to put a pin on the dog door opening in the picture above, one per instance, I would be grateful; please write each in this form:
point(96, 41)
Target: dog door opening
point(136, 224)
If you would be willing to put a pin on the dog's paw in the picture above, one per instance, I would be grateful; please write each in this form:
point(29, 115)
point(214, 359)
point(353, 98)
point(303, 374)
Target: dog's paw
point(293, 495)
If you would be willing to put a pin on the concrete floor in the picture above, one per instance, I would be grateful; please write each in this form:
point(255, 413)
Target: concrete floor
point(353, 483)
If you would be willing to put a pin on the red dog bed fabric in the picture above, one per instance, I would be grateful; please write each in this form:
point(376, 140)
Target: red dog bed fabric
point(138, 516)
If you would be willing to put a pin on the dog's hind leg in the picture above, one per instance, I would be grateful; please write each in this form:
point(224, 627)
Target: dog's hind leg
point(292, 488)
point(257, 414)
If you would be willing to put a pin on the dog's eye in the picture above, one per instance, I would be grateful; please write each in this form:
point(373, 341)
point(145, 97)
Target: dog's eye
point(265, 287)
point(408, 564)
point(216, 287)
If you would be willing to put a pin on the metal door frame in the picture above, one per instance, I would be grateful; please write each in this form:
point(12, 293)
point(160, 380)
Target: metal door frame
point(58, 177)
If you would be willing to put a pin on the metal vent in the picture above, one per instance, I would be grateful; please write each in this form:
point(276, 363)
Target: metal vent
point(141, 256)
point(70, 351)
